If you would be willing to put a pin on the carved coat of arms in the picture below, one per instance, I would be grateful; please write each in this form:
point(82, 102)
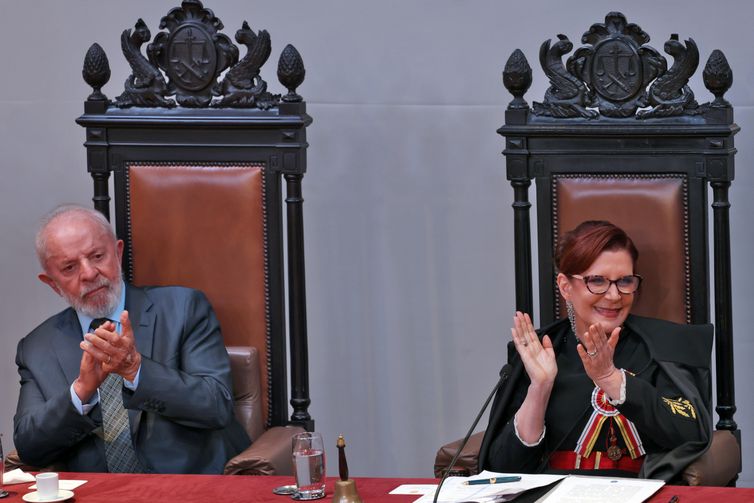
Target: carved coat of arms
point(616, 73)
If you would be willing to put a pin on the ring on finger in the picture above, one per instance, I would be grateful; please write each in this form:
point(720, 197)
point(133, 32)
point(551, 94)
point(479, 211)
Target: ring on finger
point(592, 354)
point(109, 357)
point(525, 339)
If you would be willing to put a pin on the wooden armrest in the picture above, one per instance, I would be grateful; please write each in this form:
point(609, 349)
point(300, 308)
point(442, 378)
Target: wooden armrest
point(13, 461)
point(270, 454)
point(719, 466)
point(468, 461)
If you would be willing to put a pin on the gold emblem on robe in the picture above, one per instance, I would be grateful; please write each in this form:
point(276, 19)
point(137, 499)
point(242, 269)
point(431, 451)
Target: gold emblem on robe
point(681, 406)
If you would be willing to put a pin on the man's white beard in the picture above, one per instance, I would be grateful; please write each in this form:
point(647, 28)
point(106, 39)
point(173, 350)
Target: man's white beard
point(102, 307)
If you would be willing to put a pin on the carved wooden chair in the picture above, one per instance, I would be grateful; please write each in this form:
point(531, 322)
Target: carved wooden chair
point(620, 137)
point(198, 161)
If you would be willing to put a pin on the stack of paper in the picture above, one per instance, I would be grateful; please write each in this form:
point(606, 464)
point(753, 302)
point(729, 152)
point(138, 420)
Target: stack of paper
point(580, 489)
point(570, 489)
point(454, 489)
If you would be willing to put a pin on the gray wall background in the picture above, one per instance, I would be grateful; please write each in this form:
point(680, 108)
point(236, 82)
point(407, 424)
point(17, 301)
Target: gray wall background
point(408, 218)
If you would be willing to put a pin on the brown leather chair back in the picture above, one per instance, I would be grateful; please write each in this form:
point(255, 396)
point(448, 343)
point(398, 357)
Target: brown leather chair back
point(653, 210)
point(203, 226)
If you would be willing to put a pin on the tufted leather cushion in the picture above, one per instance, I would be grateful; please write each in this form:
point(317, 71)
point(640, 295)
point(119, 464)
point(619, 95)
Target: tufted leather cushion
point(719, 465)
point(467, 462)
point(270, 454)
point(247, 395)
point(13, 461)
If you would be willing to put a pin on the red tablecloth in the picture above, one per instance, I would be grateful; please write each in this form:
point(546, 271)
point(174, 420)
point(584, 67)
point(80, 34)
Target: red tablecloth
point(132, 488)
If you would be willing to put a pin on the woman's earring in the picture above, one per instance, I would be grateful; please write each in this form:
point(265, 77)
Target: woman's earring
point(571, 316)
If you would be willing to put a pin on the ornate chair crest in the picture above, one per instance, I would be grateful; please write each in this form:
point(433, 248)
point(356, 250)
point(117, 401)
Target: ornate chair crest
point(183, 64)
point(616, 73)
point(200, 150)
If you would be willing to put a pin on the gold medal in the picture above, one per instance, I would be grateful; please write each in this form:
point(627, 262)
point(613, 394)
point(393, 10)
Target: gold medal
point(614, 453)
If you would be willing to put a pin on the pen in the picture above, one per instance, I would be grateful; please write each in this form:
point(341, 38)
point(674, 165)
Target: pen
point(493, 480)
point(674, 499)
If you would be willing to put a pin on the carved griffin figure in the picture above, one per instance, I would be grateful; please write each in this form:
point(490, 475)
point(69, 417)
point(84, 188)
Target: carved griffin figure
point(670, 94)
point(242, 85)
point(146, 85)
point(567, 95)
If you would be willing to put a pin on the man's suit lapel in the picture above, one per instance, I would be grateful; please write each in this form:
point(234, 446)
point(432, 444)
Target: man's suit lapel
point(140, 312)
point(66, 344)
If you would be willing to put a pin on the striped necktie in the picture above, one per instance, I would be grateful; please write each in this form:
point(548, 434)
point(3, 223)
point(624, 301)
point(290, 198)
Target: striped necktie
point(119, 451)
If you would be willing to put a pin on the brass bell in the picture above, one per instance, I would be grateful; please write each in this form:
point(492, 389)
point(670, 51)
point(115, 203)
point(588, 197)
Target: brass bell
point(345, 488)
point(345, 492)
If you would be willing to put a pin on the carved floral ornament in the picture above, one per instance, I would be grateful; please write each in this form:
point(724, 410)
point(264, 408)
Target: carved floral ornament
point(183, 65)
point(616, 74)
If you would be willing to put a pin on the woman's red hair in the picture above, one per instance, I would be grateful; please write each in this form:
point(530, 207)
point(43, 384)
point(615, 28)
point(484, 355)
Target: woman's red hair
point(580, 247)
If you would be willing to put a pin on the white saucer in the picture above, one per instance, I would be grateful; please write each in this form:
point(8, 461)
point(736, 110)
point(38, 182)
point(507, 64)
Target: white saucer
point(34, 497)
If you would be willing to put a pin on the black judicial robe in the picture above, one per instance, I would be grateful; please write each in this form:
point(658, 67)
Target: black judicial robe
point(670, 363)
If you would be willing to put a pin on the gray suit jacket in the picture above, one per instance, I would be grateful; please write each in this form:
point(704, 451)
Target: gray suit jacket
point(181, 414)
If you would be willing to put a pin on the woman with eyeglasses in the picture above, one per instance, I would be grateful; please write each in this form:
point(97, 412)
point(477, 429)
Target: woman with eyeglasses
point(602, 392)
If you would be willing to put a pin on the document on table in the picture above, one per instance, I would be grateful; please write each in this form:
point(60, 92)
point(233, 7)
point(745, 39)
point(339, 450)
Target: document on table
point(582, 489)
point(454, 488)
point(570, 489)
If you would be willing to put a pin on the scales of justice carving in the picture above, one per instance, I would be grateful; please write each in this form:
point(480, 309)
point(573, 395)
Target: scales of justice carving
point(183, 64)
point(616, 74)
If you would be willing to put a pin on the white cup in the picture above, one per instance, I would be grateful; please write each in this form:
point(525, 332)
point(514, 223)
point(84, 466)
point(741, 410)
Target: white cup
point(47, 485)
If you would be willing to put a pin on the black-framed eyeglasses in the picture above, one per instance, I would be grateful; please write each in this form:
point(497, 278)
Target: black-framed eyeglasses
point(599, 285)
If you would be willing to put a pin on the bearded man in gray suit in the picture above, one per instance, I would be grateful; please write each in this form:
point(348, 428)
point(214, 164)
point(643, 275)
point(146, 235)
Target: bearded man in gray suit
point(159, 349)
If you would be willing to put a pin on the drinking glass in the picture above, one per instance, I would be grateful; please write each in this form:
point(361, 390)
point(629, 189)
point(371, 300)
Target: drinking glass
point(309, 466)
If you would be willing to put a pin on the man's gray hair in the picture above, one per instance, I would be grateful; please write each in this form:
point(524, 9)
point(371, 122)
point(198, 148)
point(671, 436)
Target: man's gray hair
point(40, 242)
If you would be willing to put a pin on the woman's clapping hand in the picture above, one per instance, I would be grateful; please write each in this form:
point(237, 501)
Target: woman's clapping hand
point(538, 357)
